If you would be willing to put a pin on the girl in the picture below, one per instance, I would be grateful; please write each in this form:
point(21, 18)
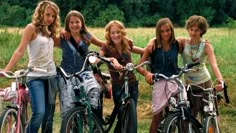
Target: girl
point(38, 39)
point(163, 53)
point(119, 47)
point(197, 49)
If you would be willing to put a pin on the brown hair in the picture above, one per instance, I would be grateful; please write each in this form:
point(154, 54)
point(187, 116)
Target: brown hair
point(83, 30)
point(161, 22)
point(37, 19)
point(120, 25)
point(199, 21)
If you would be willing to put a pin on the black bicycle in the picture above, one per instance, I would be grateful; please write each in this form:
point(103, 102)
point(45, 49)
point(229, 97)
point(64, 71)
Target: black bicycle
point(126, 104)
point(179, 118)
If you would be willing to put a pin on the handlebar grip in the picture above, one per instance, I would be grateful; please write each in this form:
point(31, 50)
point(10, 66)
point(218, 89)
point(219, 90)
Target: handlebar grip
point(105, 60)
point(226, 93)
point(190, 65)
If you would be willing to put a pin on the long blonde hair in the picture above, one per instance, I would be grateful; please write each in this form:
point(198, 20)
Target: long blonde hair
point(124, 42)
point(37, 19)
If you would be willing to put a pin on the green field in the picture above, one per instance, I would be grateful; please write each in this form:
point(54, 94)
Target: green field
point(222, 39)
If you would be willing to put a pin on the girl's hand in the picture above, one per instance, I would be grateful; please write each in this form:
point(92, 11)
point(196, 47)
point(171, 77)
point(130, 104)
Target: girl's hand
point(148, 78)
point(219, 86)
point(65, 35)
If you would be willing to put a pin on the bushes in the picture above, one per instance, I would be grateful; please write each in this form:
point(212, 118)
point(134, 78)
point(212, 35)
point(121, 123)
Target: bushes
point(12, 15)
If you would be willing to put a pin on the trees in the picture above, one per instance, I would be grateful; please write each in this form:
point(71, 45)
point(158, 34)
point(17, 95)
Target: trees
point(133, 13)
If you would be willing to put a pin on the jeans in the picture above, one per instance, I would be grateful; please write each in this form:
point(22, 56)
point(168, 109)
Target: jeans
point(116, 91)
point(42, 110)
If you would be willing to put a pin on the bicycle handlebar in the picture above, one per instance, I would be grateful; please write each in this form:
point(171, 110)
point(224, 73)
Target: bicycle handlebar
point(21, 73)
point(184, 69)
point(226, 93)
point(87, 59)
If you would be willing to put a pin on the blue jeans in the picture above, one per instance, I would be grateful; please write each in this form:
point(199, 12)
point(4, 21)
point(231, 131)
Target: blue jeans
point(42, 110)
point(116, 91)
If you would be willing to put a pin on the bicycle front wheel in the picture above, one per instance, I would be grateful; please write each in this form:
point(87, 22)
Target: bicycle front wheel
point(76, 121)
point(174, 123)
point(8, 121)
point(129, 117)
point(211, 125)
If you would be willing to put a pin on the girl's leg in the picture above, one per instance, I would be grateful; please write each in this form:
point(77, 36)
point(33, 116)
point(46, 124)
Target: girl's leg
point(47, 124)
point(37, 95)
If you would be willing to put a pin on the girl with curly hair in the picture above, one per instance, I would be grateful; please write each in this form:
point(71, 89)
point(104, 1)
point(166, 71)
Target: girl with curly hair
point(37, 38)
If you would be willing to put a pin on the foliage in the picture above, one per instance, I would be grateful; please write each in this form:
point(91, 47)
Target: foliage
point(110, 13)
point(231, 23)
point(134, 13)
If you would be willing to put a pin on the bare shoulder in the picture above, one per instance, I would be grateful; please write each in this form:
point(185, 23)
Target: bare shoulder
point(150, 45)
point(208, 47)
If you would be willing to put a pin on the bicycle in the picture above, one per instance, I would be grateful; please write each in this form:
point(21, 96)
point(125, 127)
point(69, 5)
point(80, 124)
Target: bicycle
point(82, 116)
point(179, 118)
point(14, 118)
point(126, 104)
point(209, 115)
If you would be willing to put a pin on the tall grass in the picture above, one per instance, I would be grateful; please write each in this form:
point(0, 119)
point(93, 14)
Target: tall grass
point(222, 39)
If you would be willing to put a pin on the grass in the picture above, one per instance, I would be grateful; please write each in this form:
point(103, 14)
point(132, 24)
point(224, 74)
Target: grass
point(222, 39)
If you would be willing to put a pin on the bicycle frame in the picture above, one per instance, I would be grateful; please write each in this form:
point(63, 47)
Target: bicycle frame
point(124, 93)
point(180, 105)
point(210, 107)
point(21, 94)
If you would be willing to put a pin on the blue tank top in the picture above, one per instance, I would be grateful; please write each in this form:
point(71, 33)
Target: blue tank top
point(165, 62)
point(72, 60)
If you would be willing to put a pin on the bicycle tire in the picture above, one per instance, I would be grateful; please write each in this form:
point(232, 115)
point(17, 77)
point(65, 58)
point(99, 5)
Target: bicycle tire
point(75, 121)
point(8, 121)
point(24, 116)
point(129, 117)
point(175, 123)
point(211, 125)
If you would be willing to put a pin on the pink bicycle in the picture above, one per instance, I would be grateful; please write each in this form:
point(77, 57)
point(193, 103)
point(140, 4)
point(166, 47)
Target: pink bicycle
point(14, 118)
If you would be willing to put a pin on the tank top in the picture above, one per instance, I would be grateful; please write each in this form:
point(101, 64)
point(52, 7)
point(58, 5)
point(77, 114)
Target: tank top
point(165, 62)
point(193, 53)
point(40, 52)
point(72, 59)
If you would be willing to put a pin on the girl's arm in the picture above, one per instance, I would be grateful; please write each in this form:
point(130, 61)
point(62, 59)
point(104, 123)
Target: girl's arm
point(114, 61)
point(212, 60)
point(97, 41)
point(137, 50)
point(146, 54)
point(28, 34)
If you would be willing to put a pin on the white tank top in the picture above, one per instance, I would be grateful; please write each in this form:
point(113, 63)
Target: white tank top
point(40, 52)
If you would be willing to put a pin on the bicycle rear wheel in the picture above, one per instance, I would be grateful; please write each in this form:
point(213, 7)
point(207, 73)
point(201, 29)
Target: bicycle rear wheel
point(76, 121)
point(129, 117)
point(175, 123)
point(211, 125)
point(8, 121)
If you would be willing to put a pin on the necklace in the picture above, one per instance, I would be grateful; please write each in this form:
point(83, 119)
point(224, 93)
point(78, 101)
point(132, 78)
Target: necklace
point(194, 54)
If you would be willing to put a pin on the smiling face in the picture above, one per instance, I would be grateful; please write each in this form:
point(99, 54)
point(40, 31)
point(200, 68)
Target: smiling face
point(165, 32)
point(49, 16)
point(115, 34)
point(75, 24)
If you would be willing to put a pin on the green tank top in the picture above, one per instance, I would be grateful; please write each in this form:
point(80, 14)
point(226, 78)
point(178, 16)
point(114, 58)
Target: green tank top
point(193, 53)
